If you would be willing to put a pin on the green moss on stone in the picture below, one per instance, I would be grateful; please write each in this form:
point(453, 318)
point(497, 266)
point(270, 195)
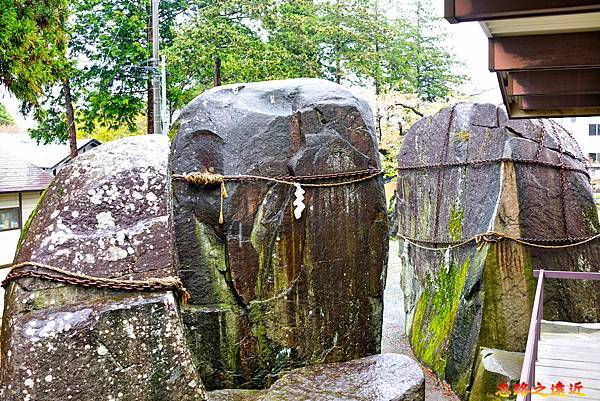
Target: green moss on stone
point(174, 130)
point(435, 314)
point(590, 218)
point(455, 222)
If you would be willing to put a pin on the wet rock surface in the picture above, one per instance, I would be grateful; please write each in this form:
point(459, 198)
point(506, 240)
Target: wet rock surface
point(493, 368)
point(105, 215)
point(384, 377)
point(271, 292)
point(459, 300)
point(235, 395)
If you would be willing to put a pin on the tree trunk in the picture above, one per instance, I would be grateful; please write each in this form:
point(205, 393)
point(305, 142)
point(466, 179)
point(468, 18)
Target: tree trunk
point(217, 72)
point(338, 64)
point(70, 118)
point(150, 104)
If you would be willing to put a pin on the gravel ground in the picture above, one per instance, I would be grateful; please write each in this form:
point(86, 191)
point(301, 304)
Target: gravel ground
point(394, 338)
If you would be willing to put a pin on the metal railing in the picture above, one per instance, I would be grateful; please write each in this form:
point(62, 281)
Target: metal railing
point(535, 325)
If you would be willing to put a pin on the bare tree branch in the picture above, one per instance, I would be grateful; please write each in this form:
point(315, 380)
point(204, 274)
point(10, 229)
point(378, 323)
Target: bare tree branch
point(409, 107)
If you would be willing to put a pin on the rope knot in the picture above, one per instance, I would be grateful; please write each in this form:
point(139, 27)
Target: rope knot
point(204, 178)
point(491, 237)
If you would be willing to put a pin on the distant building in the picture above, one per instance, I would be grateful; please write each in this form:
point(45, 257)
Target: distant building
point(51, 158)
point(587, 132)
point(21, 185)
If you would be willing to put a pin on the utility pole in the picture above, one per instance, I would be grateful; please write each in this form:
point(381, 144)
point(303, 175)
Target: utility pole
point(163, 84)
point(156, 70)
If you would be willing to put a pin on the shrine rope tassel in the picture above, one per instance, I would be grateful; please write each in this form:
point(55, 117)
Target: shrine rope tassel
point(315, 181)
point(52, 273)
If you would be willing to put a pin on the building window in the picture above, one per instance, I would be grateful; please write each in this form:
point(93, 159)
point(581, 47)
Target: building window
point(594, 129)
point(9, 219)
point(594, 157)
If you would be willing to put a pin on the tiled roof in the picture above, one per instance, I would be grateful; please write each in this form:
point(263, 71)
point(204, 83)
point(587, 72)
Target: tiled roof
point(40, 155)
point(18, 175)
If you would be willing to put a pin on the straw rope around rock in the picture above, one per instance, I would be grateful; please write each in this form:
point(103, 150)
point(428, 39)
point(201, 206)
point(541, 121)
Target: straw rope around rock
point(52, 273)
point(493, 237)
point(312, 181)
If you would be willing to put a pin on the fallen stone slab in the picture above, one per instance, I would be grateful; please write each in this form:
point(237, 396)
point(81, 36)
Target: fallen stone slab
point(105, 215)
point(483, 172)
point(495, 367)
point(235, 395)
point(384, 377)
point(269, 291)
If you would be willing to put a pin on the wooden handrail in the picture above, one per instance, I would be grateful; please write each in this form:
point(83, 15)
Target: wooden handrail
point(568, 275)
point(537, 314)
point(528, 371)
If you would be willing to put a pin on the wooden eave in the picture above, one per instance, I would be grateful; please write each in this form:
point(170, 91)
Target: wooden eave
point(546, 53)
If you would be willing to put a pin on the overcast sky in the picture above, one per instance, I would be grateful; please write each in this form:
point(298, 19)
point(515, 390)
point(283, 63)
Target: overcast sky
point(467, 39)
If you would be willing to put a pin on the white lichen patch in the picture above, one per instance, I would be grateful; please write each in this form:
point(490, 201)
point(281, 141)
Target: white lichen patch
point(105, 220)
point(102, 350)
point(115, 253)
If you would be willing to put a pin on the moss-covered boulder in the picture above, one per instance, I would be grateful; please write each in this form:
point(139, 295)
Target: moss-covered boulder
point(270, 291)
point(481, 294)
point(105, 215)
point(495, 367)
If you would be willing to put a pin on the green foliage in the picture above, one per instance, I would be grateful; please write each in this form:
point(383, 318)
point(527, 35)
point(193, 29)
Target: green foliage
point(418, 60)
point(350, 41)
point(5, 117)
point(32, 47)
point(109, 88)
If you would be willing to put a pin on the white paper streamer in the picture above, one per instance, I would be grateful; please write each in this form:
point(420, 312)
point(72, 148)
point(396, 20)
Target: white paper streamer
point(299, 202)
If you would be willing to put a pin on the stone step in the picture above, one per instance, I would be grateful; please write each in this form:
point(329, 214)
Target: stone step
point(569, 327)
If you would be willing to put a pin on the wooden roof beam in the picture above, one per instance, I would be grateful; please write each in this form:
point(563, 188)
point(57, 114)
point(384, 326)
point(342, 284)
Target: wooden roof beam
point(554, 82)
point(557, 51)
point(559, 102)
point(484, 10)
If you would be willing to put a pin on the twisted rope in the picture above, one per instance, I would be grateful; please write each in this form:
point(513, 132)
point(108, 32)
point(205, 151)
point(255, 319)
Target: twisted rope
point(43, 271)
point(493, 237)
point(497, 160)
point(211, 179)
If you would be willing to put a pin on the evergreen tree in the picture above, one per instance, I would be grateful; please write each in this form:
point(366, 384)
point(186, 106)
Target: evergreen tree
point(5, 117)
point(32, 47)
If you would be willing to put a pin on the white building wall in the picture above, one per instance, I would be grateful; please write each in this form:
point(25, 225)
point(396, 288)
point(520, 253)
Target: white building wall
point(9, 239)
point(589, 144)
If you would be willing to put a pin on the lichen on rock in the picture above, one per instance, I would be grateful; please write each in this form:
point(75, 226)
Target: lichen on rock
point(481, 294)
point(105, 215)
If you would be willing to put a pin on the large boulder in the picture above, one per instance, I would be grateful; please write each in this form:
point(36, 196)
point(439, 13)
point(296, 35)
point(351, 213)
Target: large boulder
point(105, 215)
point(481, 294)
point(495, 367)
point(384, 377)
point(269, 291)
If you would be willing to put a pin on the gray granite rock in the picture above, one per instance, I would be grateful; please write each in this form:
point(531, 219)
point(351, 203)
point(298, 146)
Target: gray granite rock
point(235, 395)
point(105, 215)
point(271, 292)
point(482, 295)
point(384, 377)
point(493, 368)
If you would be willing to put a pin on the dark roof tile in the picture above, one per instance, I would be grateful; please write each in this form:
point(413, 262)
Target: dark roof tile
point(17, 175)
